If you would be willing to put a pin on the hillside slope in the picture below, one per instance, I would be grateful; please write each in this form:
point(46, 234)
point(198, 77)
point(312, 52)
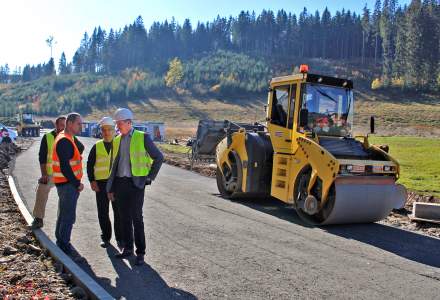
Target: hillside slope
point(221, 85)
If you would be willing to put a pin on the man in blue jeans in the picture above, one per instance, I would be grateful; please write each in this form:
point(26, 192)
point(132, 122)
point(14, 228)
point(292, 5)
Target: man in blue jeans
point(67, 174)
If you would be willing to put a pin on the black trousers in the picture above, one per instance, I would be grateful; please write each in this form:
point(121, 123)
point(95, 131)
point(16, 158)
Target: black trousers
point(102, 203)
point(130, 202)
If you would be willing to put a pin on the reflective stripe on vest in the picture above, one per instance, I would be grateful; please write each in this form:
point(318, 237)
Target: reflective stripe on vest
point(140, 160)
point(49, 142)
point(75, 162)
point(103, 159)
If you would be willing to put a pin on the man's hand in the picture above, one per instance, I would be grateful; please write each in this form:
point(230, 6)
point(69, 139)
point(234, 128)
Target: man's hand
point(148, 181)
point(94, 186)
point(111, 196)
point(80, 187)
point(44, 179)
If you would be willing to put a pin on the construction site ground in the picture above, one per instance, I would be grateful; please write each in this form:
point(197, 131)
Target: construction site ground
point(26, 270)
point(202, 246)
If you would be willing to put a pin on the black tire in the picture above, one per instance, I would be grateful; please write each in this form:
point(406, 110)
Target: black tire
point(300, 191)
point(221, 184)
point(301, 183)
point(235, 176)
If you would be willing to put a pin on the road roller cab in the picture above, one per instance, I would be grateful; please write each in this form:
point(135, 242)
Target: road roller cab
point(308, 156)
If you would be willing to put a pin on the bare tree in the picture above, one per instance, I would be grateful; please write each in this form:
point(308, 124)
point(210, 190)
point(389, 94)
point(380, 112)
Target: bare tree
point(50, 41)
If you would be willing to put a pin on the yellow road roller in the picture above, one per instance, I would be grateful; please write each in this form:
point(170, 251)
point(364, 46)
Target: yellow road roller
point(307, 155)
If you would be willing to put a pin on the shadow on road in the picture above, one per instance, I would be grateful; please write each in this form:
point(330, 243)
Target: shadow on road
point(139, 282)
point(270, 206)
point(416, 247)
point(133, 282)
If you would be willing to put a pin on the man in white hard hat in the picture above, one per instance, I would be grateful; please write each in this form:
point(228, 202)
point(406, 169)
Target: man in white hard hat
point(99, 164)
point(136, 165)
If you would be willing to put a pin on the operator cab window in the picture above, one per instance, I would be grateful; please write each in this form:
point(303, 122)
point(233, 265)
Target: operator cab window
point(329, 109)
point(280, 105)
point(292, 105)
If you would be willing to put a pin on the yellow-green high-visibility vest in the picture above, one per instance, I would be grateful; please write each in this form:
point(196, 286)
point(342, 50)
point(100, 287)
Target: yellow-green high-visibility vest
point(139, 158)
point(50, 139)
point(104, 160)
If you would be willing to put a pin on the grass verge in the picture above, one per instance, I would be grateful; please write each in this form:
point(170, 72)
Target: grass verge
point(419, 160)
point(173, 148)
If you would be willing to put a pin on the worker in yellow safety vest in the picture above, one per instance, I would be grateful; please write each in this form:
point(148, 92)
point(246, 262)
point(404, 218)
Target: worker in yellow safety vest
point(99, 164)
point(136, 165)
point(45, 183)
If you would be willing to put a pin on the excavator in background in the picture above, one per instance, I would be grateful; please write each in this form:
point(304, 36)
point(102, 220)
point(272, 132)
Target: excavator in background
point(306, 155)
point(27, 127)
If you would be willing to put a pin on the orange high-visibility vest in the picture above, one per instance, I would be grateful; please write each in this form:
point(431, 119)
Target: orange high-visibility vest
point(75, 161)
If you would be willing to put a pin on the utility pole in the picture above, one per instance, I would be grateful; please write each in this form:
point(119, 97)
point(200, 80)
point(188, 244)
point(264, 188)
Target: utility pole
point(50, 42)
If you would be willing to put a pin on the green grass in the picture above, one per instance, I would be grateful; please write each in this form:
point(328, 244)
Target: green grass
point(419, 159)
point(173, 148)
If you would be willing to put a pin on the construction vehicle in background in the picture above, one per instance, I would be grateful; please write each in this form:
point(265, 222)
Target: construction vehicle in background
point(306, 155)
point(27, 127)
point(209, 134)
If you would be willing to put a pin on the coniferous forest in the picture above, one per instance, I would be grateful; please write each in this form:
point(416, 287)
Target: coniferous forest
point(233, 54)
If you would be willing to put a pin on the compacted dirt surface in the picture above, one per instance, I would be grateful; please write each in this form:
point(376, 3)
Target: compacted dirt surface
point(26, 270)
point(205, 168)
point(400, 218)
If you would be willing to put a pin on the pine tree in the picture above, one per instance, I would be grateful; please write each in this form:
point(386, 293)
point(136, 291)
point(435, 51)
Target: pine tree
point(4, 73)
point(386, 35)
point(26, 76)
point(413, 71)
point(49, 68)
point(430, 51)
point(366, 30)
point(376, 29)
point(401, 46)
point(326, 29)
point(303, 32)
point(185, 37)
point(62, 65)
point(77, 62)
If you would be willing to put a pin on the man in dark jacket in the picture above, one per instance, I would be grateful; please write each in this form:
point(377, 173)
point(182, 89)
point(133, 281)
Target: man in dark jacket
point(136, 165)
point(67, 175)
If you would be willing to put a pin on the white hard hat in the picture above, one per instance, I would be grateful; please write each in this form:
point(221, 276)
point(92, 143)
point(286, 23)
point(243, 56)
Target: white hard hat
point(123, 114)
point(107, 121)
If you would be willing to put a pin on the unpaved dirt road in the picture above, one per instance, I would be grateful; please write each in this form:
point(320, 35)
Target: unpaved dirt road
point(202, 246)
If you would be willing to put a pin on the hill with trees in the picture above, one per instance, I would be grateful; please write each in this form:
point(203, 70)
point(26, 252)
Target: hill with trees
point(388, 50)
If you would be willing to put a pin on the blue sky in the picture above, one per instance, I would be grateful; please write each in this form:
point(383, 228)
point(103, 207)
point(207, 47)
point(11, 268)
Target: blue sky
point(26, 24)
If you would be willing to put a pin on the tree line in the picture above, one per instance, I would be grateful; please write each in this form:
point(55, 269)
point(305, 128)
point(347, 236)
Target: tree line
point(403, 40)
